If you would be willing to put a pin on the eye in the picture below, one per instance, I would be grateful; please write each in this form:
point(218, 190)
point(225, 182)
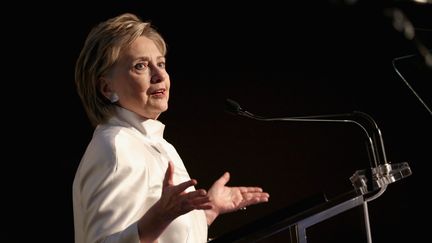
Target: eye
point(161, 65)
point(141, 66)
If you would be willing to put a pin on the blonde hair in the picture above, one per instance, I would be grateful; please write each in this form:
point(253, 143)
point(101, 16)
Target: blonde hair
point(100, 52)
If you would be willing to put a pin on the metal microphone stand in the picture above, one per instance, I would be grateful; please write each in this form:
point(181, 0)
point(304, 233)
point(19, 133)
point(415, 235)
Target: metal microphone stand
point(369, 183)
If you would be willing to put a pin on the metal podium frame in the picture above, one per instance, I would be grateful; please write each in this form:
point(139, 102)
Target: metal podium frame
point(295, 219)
point(298, 230)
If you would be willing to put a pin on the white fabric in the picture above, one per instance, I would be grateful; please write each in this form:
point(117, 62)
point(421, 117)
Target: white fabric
point(120, 177)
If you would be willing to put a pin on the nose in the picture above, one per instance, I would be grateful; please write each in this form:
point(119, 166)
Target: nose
point(157, 74)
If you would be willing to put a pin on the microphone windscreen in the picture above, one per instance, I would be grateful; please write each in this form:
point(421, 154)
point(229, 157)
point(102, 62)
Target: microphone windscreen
point(232, 106)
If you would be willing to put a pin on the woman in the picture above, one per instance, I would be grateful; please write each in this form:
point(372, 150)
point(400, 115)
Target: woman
point(131, 184)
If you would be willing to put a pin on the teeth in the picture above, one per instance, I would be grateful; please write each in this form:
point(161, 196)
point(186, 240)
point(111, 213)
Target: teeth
point(160, 91)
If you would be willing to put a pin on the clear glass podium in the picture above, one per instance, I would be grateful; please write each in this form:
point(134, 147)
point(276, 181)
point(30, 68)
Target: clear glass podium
point(368, 185)
point(297, 218)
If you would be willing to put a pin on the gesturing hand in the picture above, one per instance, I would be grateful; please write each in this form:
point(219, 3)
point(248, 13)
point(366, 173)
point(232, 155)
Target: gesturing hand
point(224, 199)
point(175, 201)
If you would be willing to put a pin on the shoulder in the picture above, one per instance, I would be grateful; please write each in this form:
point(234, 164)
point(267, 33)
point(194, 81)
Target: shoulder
point(106, 144)
point(110, 137)
point(112, 150)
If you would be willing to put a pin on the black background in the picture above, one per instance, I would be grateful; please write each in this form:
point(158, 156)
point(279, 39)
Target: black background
point(290, 59)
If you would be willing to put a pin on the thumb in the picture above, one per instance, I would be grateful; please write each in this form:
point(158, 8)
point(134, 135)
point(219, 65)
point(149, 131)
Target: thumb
point(169, 174)
point(223, 179)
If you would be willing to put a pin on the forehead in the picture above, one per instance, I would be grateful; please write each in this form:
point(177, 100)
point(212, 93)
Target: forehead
point(143, 46)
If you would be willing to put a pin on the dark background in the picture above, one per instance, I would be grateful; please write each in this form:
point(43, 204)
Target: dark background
point(276, 60)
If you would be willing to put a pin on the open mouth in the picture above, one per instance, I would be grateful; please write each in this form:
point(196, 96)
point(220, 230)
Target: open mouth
point(158, 92)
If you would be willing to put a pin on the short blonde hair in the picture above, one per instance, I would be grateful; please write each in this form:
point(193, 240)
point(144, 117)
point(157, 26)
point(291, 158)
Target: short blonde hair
point(100, 52)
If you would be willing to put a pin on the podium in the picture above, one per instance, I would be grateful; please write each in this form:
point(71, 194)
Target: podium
point(297, 218)
point(368, 185)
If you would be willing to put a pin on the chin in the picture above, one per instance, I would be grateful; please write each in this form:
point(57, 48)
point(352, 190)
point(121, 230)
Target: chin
point(162, 108)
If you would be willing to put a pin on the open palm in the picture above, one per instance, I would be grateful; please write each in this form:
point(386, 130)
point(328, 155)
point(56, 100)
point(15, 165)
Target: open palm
point(224, 199)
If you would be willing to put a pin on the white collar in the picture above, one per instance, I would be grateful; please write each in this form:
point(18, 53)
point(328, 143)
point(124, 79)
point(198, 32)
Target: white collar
point(149, 127)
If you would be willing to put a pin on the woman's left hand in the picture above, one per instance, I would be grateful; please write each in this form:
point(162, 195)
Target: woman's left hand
point(224, 199)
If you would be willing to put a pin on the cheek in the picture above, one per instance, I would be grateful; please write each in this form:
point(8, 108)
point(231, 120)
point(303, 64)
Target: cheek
point(168, 82)
point(137, 85)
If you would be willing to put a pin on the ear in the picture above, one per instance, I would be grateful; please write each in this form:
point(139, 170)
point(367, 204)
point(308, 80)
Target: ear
point(105, 88)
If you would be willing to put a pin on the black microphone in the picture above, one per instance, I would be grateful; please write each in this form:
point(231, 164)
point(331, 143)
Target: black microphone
point(381, 172)
point(233, 107)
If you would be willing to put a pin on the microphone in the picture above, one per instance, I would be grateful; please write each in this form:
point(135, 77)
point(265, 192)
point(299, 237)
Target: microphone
point(381, 172)
point(234, 107)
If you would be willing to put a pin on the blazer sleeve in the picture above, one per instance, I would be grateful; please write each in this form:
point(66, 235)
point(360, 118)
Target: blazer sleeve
point(113, 186)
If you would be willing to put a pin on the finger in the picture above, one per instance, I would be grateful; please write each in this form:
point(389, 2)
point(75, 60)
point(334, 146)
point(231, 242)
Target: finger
point(250, 189)
point(204, 206)
point(189, 208)
point(169, 174)
point(200, 200)
point(197, 203)
point(257, 200)
point(259, 194)
point(250, 200)
point(224, 179)
point(197, 193)
point(183, 186)
point(250, 195)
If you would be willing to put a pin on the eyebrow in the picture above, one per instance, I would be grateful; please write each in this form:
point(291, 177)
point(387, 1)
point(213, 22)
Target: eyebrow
point(146, 58)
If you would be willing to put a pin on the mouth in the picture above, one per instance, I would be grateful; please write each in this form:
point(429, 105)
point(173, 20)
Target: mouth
point(158, 93)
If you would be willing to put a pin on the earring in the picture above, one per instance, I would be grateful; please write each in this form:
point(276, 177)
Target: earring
point(114, 98)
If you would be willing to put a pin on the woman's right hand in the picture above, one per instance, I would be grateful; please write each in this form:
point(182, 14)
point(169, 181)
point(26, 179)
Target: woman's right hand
point(174, 202)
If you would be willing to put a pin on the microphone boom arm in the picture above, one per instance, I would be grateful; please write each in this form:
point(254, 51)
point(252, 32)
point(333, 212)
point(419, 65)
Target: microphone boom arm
point(368, 125)
point(381, 172)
